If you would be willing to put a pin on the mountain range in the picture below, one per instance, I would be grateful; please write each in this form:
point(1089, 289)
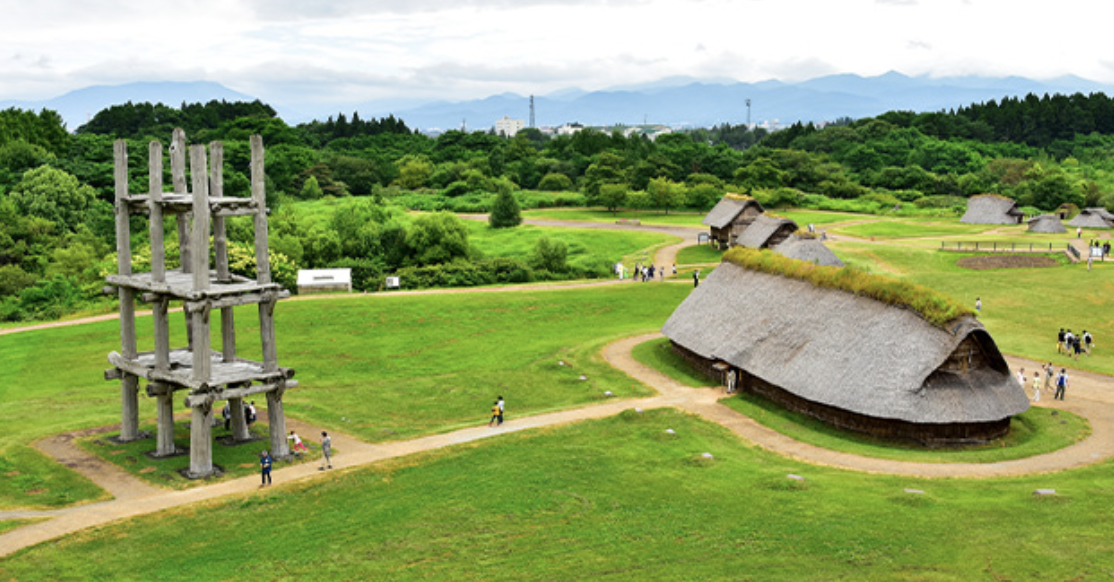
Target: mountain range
point(676, 101)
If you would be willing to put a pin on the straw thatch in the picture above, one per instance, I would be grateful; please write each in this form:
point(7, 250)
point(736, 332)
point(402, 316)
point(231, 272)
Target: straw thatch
point(850, 360)
point(766, 232)
point(728, 209)
point(1046, 224)
point(1093, 218)
point(808, 249)
point(992, 209)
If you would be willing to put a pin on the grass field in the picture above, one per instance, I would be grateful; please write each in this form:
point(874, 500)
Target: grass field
point(614, 499)
point(647, 217)
point(585, 245)
point(699, 254)
point(395, 367)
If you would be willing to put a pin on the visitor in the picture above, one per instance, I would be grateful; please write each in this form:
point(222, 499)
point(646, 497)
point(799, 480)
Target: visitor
point(731, 379)
point(1061, 384)
point(494, 413)
point(1036, 386)
point(674, 269)
point(1105, 250)
point(227, 414)
point(1088, 342)
point(1021, 377)
point(1076, 346)
point(978, 305)
point(265, 467)
point(1079, 232)
point(1060, 341)
point(326, 451)
point(249, 412)
point(661, 273)
point(299, 447)
point(651, 273)
point(1049, 372)
point(696, 278)
point(502, 406)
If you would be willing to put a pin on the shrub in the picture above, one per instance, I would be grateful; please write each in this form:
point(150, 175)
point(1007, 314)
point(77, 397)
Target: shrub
point(505, 212)
point(554, 182)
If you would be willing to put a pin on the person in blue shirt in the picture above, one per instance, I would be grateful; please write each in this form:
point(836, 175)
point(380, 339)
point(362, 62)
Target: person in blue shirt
point(265, 466)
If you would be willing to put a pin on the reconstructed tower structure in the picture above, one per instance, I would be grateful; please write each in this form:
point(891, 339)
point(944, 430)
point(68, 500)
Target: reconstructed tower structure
point(207, 376)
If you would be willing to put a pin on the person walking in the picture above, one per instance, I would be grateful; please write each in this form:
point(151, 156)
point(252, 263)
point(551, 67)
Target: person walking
point(1079, 232)
point(1076, 346)
point(1087, 341)
point(502, 406)
point(1021, 379)
point(978, 305)
point(326, 451)
point(1036, 386)
point(696, 278)
point(265, 467)
point(1061, 384)
point(227, 414)
point(494, 413)
point(1049, 372)
point(1060, 341)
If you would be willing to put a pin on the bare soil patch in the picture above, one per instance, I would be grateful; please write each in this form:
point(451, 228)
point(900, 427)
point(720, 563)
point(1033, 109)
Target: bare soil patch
point(1006, 262)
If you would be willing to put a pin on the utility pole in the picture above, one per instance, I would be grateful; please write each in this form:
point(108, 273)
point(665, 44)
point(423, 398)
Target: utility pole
point(748, 112)
point(531, 111)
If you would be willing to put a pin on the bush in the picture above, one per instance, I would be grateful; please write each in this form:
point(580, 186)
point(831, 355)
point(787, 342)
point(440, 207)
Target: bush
point(550, 255)
point(505, 212)
point(553, 182)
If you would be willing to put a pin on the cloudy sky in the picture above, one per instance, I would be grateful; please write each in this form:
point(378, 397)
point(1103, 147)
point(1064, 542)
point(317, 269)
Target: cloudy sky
point(350, 51)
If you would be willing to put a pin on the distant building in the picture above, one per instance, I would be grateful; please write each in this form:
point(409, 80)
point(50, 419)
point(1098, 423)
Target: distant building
point(324, 281)
point(569, 129)
point(509, 127)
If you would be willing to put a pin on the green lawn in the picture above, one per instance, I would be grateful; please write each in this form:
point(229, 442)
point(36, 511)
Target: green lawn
point(393, 367)
point(613, 499)
point(585, 245)
point(699, 254)
point(822, 218)
point(647, 217)
point(911, 228)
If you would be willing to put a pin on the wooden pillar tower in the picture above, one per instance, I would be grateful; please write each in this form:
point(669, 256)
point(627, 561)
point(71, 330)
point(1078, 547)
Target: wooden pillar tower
point(207, 375)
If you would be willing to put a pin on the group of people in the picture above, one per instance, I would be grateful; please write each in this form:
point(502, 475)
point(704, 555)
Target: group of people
point(250, 415)
point(1045, 378)
point(645, 273)
point(1072, 345)
point(266, 462)
point(497, 413)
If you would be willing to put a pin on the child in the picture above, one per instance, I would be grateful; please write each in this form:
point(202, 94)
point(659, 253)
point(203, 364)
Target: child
point(299, 447)
point(494, 413)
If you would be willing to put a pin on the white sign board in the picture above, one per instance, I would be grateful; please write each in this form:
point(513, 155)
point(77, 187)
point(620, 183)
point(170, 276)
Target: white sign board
point(392, 283)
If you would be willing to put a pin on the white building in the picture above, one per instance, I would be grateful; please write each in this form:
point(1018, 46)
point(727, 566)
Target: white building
point(324, 281)
point(508, 126)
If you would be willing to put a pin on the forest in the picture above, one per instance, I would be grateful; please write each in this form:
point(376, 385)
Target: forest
point(56, 186)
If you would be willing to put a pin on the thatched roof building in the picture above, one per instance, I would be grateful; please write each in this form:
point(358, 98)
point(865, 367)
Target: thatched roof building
point(1046, 224)
point(808, 249)
point(849, 360)
point(766, 232)
point(992, 209)
point(1093, 218)
point(731, 216)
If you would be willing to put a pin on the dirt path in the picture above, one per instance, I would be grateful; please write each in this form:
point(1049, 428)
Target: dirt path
point(1089, 396)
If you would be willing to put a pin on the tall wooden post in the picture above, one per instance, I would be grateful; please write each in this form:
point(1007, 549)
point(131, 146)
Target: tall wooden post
point(164, 403)
point(201, 441)
point(280, 447)
point(154, 206)
point(199, 259)
point(240, 430)
point(129, 384)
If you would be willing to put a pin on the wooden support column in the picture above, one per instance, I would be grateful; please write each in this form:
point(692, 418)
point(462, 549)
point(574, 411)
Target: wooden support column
point(267, 334)
point(178, 181)
point(199, 259)
point(259, 197)
point(280, 447)
point(154, 205)
point(201, 441)
point(165, 404)
point(240, 430)
point(129, 384)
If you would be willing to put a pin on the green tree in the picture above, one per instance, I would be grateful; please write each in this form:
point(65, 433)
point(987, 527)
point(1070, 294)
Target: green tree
point(437, 238)
point(414, 172)
point(54, 195)
point(550, 255)
point(505, 212)
point(665, 194)
point(311, 190)
point(607, 169)
point(612, 196)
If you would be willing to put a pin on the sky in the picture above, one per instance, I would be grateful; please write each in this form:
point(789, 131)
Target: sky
point(297, 52)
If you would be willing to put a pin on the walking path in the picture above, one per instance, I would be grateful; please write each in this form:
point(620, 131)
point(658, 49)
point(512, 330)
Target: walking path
point(1089, 396)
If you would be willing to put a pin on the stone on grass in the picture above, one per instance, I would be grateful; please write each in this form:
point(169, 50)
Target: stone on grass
point(916, 491)
point(795, 477)
point(608, 393)
point(1044, 492)
point(561, 363)
point(669, 431)
point(638, 410)
point(707, 455)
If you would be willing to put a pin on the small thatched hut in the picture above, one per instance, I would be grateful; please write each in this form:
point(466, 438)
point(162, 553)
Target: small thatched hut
point(731, 216)
point(1093, 218)
point(992, 209)
point(848, 360)
point(808, 249)
point(1046, 224)
point(766, 232)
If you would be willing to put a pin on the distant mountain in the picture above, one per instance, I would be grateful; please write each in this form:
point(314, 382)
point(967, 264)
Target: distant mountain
point(77, 107)
point(674, 101)
point(708, 103)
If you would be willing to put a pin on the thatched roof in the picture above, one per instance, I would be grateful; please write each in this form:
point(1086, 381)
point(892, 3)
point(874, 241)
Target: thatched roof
point(727, 209)
point(842, 350)
point(992, 209)
point(809, 250)
point(758, 234)
point(1047, 224)
point(1093, 218)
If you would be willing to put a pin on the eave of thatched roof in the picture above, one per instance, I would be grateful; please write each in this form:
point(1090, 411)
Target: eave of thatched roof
point(991, 209)
point(845, 351)
point(809, 250)
point(727, 209)
point(1093, 218)
point(1046, 224)
point(758, 234)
